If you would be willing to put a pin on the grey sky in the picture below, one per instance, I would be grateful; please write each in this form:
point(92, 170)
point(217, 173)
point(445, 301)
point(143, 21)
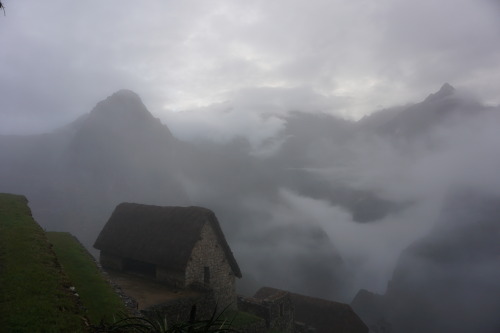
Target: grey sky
point(59, 58)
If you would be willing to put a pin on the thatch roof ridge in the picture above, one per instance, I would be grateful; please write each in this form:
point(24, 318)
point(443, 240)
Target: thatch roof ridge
point(269, 292)
point(162, 235)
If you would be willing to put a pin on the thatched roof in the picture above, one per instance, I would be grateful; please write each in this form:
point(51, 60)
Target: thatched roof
point(324, 315)
point(162, 236)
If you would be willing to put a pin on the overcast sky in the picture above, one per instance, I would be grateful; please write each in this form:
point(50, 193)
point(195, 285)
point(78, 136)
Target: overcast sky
point(59, 58)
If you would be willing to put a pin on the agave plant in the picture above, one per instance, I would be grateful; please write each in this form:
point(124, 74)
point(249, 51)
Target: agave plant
point(159, 324)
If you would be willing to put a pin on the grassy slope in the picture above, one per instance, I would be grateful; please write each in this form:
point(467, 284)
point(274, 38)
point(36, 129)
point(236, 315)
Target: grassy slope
point(34, 290)
point(96, 294)
point(240, 318)
point(34, 293)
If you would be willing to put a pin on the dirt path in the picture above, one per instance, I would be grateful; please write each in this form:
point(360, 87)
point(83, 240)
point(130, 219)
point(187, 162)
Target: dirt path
point(145, 291)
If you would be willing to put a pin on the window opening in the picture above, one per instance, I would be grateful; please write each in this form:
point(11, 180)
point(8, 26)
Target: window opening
point(192, 314)
point(206, 275)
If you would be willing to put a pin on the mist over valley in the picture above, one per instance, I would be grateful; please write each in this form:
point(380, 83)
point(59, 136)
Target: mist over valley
point(401, 202)
point(322, 134)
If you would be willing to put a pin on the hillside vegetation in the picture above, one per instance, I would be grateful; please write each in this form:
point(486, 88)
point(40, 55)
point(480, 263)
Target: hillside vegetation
point(41, 272)
point(34, 292)
point(95, 292)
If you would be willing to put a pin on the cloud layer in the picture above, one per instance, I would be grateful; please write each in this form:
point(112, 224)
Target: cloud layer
point(58, 59)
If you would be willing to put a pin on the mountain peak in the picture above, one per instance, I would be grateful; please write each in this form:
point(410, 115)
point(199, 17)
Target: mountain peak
point(447, 87)
point(121, 118)
point(122, 104)
point(445, 91)
point(126, 93)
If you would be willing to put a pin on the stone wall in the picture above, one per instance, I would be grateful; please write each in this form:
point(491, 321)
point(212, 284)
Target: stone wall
point(208, 265)
point(183, 310)
point(254, 306)
point(277, 312)
point(281, 312)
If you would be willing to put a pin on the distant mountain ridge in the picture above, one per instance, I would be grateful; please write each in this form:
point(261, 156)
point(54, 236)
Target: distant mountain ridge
point(273, 206)
point(446, 90)
point(118, 152)
point(447, 279)
point(417, 120)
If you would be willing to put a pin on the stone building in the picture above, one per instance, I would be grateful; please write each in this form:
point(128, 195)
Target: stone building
point(290, 312)
point(277, 310)
point(183, 247)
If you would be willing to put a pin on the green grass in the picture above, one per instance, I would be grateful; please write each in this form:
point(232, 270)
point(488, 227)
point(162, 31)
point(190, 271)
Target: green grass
point(37, 270)
point(240, 318)
point(34, 294)
point(95, 292)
